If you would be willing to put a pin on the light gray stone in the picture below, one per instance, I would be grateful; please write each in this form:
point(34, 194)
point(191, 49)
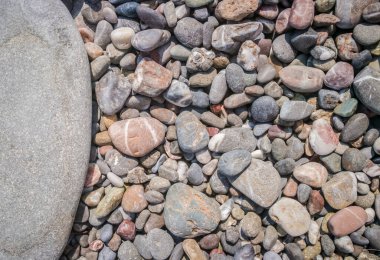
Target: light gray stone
point(45, 107)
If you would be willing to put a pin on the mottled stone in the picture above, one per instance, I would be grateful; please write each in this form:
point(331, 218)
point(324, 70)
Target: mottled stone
point(291, 216)
point(189, 213)
point(341, 190)
point(264, 109)
point(322, 138)
point(151, 39)
point(312, 174)
point(160, 243)
point(301, 14)
point(260, 182)
point(236, 10)
point(349, 12)
point(231, 139)
point(283, 49)
point(189, 32)
point(178, 94)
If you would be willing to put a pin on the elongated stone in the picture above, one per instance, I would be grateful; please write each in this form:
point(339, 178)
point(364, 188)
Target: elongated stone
point(367, 88)
point(295, 110)
point(302, 79)
point(45, 109)
point(301, 14)
point(322, 138)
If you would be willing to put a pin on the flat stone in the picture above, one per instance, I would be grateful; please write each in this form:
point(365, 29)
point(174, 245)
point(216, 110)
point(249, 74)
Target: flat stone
point(291, 216)
point(295, 110)
point(355, 127)
point(322, 138)
point(341, 190)
point(301, 14)
point(260, 182)
point(189, 213)
point(53, 110)
point(151, 39)
point(302, 79)
point(312, 174)
point(232, 139)
point(283, 49)
point(137, 136)
point(236, 10)
point(191, 133)
point(347, 220)
point(234, 162)
point(367, 88)
point(347, 108)
point(160, 243)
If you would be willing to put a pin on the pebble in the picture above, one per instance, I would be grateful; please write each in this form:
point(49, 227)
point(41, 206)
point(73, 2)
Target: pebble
point(123, 135)
point(234, 162)
point(341, 190)
point(184, 221)
point(344, 244)
point(322, 138)
point(109, 202)
point(192, 250)
point(236, 10)
point(353, 160)
point(248, 56)
point(263, 189)
point(235, 78)
point(347, 220)
point(328, 99)
point(126, 230)
point(366, 34)
point(194, 174)
point(354, 127)
point(127, 251)
point(371, 13)
point(312, 174)
point(133, 199)
point(178, 94)
point(191, 133)
point(302, 79)
point(295, 110)
point(372, 234)
point(301, 14)
point(347, 108)
point(250, 225)
point(366, 88)
point(291, 216)
point(283, 49)
point(264, 109)
point(160, 243)
point(189, 32)
point(230, 139)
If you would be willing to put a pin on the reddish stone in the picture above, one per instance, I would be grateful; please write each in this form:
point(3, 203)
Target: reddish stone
point(104, 149)
point(133, 199)
point(137, 136)
point(347, 47)
point(126, 230)
point(236, 10)
point(96, 245)
point(302, 79)
point(282, 22)
point(301, 14)
point(268, 11)
point(210, 241)
point(212, 131)
point(325, 20)
point(163, 115)
point(347, 220)
point(276, 131)
point(340, 76)
point(87, 34)
point(315, 203)
point(216, 109)
point(322, 137)
point(290, 189)
point(265, 46)
point(93, 175)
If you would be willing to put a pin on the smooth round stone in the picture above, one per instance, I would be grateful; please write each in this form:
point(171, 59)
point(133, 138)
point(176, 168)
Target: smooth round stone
point(327, 245)
point(202, 79)
point(282, 22)
point(133, 199)
point(180, 52)
point(367, 88)
point(128, 251)
point(347, 220)
point(264, 109)
point(127, 9)
point(328, 99)
point(218, 88)
point(372, 13)
point(137, 136)
point(250, 225)
point(301, 14)
point(312, 174)
point(148, 40)
point(303, 40)
point(228, 37)
point(322, 53)
point(235, 78)
point(366, 34)
point(150, 78)
point(112, 91)
point(302, 79)
point(122, 37)
point(260, 182)
point(324, 6)
point(195, 174)
point(322, 138)
point(370, 137)
point(285, 166)
point(102, 34)
point(230, 139)
point(362, 59)
point(236, 10)
point(189, 213)
point(178, 94)
point(373, 234)
point(46, 130)
point(344, 244)
point(303, 193)
point(355, 127)
point(283, 49)
point(353, 160)
point(150, 17)
point(234, 162)
point(347, 46)
point(248, 56)
point(191, 133)
point(266, 73)
point(200, 99)
point(295, 110)
point(160, 243)
point(341, 190)
point(349, 12)
point(189, 32)
point(197, 3)
point(347, 108)
point(292, 217)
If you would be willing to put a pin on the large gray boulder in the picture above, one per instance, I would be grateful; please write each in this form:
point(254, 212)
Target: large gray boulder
point(45, 113)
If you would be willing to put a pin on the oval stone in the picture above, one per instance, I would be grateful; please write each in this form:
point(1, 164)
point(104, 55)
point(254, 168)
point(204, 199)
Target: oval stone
point(260, 182)
point(191, 133)
point(347, 220)
point(291, 216)
point(236, 10)
point(355, 127)
point(341, 190)
point(46, 127)
point(340, 76)
point(137, 136)
point(322, 137)
point(234, 162)
point(302, 79)
point(367, 88)
point(301, 14)
point(133, 199)
point(295, 110)
point(189, 213)
point(232, 139)
point(312, 173)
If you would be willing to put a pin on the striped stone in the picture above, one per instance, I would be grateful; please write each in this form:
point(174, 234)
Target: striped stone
point(137, 136)
point(347, 220)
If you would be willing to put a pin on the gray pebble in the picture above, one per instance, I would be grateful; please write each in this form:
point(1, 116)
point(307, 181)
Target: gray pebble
point(264, 109)
point(234, 162)
point(127, 251)
point(235, 78)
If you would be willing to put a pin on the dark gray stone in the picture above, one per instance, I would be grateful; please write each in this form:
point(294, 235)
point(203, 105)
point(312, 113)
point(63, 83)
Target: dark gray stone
point(367, 88)
point(264, 109)
point(235, 78)
point(46, 113)
point(355, 127)
point(328, 99)
point(234, 162)
point(189, 32)
point(353, 160)
point(151, 17)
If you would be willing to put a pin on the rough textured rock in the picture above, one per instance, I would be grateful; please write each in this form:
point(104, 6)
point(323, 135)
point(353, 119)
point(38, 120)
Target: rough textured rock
point(53, 97)
point(260, 182)
point(236, 10)
point(190, 213)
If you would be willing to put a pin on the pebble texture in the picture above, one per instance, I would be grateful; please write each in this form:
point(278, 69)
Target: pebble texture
point(53, 97)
